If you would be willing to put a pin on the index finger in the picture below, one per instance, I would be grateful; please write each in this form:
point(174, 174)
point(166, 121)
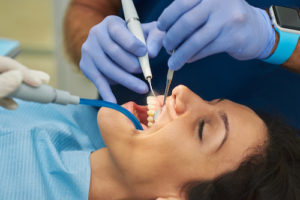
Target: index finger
point(173, 12)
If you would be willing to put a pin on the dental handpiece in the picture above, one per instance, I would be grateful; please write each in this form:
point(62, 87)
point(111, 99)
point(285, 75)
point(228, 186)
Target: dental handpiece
point(134, 25)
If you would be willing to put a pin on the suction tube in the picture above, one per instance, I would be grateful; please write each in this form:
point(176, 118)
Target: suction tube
point(98, 103)
point(47, 94)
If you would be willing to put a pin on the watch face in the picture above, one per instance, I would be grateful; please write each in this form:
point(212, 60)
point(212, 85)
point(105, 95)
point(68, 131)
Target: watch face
point(287, 17)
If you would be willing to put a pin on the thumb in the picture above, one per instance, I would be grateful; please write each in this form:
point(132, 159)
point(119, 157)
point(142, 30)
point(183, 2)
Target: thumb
point(155, 42)
point(9, 82)
point(154, 38)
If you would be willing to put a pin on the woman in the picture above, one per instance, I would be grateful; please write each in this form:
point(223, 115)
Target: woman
point(190, 152)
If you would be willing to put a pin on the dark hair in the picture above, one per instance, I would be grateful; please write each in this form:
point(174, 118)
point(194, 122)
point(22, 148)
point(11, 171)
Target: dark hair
point(272, 174)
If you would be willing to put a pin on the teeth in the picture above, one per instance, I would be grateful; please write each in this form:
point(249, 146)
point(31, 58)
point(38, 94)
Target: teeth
point(151, 113)
point(150, 119)
point(151, 102)
point(151, 107)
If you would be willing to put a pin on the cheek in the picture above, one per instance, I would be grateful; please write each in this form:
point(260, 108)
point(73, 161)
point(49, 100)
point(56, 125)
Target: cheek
point(114, 127)
point(172, 146)
point(104, 119)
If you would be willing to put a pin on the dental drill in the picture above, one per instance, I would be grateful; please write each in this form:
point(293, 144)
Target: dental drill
point(47, 94)
point(134, 25)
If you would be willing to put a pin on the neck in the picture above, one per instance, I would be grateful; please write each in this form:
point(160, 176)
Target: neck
point(106, 181)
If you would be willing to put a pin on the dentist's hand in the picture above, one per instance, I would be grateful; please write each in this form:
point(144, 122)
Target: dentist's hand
point(110, 56)
point(12, 74)
point(200, 28)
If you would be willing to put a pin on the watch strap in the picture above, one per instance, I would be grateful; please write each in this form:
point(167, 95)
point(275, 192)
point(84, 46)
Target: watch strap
point(285, 48)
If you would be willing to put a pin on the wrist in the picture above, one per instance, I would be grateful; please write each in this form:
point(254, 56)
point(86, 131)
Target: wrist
point(272, 36)
point(276, 35)
point(286, 23)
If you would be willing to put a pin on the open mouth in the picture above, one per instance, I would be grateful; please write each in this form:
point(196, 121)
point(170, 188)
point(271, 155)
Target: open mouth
point(145, 114)
point(154, 114)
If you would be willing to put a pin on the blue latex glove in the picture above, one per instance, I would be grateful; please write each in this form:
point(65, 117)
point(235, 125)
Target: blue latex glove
point(154, 38)
point(109, 56)
point(200, 28)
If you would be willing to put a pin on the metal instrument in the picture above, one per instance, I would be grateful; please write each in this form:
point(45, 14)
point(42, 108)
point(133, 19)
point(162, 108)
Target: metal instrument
point(168, 84)
point(134, 25)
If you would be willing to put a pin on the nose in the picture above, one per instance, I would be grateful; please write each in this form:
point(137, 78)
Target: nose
point(186, 99)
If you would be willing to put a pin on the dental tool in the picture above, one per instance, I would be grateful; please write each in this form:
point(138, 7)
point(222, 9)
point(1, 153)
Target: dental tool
point(134, 25)
point(46, 94)
point(168, 84)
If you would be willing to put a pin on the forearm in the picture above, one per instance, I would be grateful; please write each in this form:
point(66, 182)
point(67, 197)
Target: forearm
point(293, 63)
point(80, 17)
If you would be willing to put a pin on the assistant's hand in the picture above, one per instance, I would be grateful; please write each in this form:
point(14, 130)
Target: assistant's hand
point(200, 28)
point(12, 74)
point(110, 56)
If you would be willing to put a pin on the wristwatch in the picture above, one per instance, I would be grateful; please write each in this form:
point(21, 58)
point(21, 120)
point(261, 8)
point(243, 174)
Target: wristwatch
point(286, 22)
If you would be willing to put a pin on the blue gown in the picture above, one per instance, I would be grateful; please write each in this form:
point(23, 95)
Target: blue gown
point(45, 150)
point(261, 86)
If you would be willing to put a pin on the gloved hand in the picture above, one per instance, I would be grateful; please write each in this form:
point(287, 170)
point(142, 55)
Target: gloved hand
point(110, 55)
point(200, 28)
point(12, 74)
point(154, 38)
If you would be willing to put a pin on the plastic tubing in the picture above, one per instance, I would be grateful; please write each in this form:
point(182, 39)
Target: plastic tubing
point(98, 103)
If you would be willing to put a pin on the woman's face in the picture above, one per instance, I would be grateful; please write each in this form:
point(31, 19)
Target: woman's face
point(191, 140)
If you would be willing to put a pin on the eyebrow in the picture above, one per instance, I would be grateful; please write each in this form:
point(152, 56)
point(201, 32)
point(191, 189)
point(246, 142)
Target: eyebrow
point(224, 118)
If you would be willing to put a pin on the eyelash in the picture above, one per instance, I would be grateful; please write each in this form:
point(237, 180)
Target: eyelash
point(200, 131)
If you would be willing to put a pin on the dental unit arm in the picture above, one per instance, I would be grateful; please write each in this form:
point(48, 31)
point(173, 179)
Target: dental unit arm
point(134, 25)
point(47, 94)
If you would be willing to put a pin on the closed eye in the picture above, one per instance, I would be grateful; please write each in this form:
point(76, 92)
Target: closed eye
point(200, 131)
